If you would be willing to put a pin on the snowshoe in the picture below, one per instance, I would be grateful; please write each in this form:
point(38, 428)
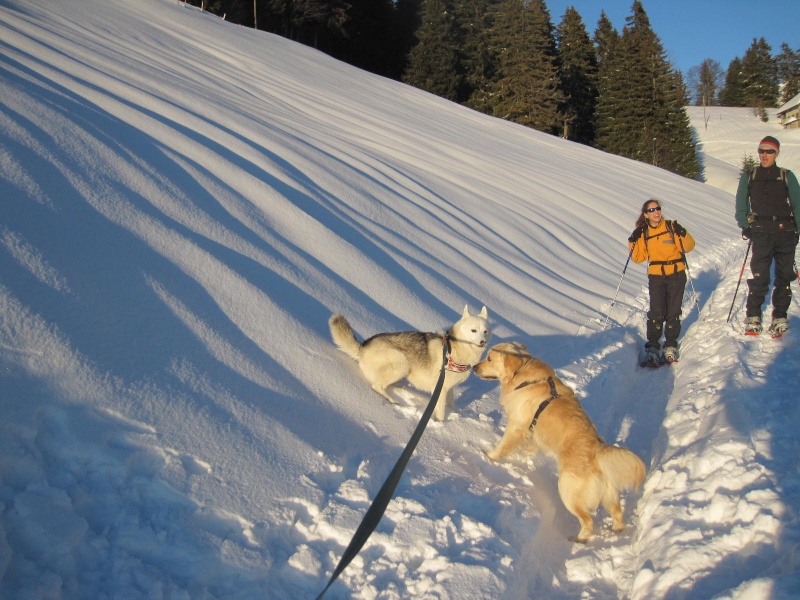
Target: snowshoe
point(670, 355)
point(779, 327)
point(652, 360)
point(752, 326)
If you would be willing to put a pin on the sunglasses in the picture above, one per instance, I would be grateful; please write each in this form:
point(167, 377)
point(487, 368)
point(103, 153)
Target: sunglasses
point(760, 151)
point(653, 209)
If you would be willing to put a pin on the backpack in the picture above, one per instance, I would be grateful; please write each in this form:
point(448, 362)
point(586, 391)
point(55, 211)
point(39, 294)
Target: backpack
point(751, 177)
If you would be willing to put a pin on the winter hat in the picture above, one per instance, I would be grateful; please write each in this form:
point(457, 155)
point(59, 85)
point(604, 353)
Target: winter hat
point(770, 143)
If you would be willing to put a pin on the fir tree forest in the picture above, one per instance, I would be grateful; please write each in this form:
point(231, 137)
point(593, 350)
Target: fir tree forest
point(613, 90)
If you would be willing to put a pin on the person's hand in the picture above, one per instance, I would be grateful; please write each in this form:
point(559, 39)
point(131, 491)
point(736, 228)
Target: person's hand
point(746, 233)
point(679, 229)
point(637, 233)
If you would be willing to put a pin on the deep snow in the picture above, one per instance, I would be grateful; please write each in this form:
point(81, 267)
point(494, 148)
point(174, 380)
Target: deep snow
point(184, 202)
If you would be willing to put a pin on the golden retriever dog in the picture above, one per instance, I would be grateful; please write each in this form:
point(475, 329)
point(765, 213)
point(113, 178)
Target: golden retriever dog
point(544, 413)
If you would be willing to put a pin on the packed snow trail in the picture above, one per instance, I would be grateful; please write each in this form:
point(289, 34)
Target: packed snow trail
point(698, 423)
point(721, 497)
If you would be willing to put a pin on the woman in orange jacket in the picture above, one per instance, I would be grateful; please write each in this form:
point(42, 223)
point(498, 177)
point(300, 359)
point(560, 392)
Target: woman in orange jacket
point(664, 243)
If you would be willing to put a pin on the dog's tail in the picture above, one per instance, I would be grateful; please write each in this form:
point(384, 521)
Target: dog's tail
point(344, 337)
point(621, 467)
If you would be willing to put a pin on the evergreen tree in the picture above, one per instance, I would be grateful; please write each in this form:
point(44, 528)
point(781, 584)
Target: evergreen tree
point(433, 64)
point(681, 155)
point(526, 89)
point(644, 115)
point(578, 78)
point(408, 19)
point(605, 38)
point(733, 94)
point(473, 21)
point(611, 95)
point(760, 75)
point(788, 63)
point(371, 38)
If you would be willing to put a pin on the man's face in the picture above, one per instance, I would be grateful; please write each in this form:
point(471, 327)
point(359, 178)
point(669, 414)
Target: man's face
point(767, 157)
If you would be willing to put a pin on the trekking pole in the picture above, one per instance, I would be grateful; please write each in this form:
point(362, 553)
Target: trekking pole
point(689, 275)
point(730, 312)
point(618, 286)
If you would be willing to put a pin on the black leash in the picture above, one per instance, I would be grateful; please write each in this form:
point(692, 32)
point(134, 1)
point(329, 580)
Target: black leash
point(378, 506)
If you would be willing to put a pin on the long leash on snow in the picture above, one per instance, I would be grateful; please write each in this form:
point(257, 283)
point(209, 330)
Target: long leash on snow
point(378, 506)
point(744, 263)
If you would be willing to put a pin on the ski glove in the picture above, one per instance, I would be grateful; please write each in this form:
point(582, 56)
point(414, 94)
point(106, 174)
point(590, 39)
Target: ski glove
point(746, 233)
point(679, 229)
point(637, 233)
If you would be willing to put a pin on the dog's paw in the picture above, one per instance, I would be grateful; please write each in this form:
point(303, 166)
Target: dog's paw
point(578, 540)
point(493, 456)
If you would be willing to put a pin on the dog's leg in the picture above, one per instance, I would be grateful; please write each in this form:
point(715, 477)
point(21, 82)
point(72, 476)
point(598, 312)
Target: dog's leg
point(612, 505)
point(445, 400)
point(381, 389)
point(383, 371)
point(576, 493)
point(449, 398)
point(512, 439)
point(587, 525)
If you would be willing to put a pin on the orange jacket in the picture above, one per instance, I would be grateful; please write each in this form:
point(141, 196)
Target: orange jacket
point(662, 248)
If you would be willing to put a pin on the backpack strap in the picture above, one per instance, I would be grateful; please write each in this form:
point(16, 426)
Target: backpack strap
point(664, 263)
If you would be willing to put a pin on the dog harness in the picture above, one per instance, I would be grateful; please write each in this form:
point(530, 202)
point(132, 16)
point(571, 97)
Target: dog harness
point(553, 395)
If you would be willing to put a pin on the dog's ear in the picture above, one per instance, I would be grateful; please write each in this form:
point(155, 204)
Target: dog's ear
point(484, 313)
point(512, 363)
point(466, 311)
point(520, 346)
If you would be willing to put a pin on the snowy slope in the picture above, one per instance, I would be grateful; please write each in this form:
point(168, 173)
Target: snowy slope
point(183, 203)
point(727, 135)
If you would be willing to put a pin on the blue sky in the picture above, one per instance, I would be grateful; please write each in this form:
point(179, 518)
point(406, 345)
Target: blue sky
point(693, 30)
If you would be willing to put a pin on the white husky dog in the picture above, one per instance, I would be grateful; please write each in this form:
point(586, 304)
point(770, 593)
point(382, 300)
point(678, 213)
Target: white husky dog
point(386, 358)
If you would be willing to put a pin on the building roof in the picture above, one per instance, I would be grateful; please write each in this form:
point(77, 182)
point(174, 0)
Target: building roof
point(789, 105)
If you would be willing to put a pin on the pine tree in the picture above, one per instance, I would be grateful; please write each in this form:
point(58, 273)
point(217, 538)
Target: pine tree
point(408, 19)
point(474, 27)
point(788, 63)
point(733, 94)
point(611, 96)
point(578, 78)
point(433, 63)
point(760, 75)
point(605, 38)
point(643, 115)
point(526, 89)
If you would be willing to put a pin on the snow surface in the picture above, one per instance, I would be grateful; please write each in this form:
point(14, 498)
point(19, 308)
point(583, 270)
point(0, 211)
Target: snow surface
point(184, 202)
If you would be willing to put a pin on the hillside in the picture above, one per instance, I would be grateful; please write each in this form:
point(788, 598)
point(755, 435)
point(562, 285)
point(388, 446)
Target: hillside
point(184, 204)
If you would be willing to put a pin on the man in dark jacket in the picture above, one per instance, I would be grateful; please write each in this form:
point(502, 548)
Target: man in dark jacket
point(768, 211)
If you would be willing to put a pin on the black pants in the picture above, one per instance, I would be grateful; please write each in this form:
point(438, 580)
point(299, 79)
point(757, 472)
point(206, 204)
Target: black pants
point(778, 247)
point(666, 297)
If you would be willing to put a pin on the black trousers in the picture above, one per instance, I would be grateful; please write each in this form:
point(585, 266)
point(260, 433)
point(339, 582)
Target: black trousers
point(666, 297)
point(769, 248)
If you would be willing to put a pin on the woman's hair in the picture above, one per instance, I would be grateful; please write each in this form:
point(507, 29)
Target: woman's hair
point(642, 220)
